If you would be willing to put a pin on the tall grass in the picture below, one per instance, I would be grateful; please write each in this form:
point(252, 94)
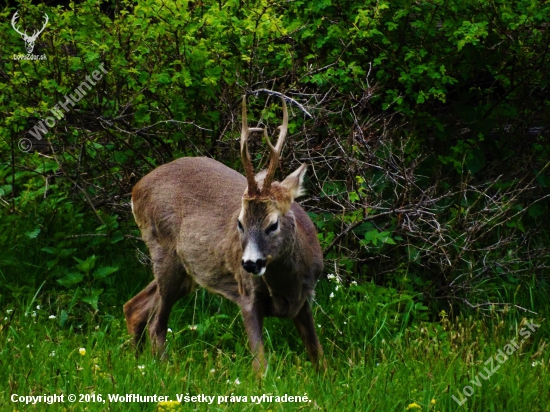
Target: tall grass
point(381, 355)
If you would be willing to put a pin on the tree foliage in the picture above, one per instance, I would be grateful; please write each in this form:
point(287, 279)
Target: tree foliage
point(428, 134)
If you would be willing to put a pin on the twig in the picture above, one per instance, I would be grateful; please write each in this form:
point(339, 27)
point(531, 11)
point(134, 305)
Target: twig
point(479, 305)
point(288, 99)
point(101, 235)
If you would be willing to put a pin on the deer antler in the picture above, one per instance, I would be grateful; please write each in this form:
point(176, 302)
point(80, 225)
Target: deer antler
point(13, 21)
point(275, 151)
point(37, 32)
point(245, 155)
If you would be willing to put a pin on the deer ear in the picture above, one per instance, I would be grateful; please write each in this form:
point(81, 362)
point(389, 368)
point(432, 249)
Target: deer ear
point(294, 182)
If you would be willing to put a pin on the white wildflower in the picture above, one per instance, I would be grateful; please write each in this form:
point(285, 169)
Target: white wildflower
point(51, 317)
point(331, 295)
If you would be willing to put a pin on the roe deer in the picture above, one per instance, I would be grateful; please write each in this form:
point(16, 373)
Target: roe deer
point(241, 237)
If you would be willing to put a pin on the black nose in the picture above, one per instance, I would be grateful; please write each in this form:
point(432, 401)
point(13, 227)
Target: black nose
point(254, 267)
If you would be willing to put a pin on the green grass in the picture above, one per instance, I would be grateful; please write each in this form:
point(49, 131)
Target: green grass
point(375, 362)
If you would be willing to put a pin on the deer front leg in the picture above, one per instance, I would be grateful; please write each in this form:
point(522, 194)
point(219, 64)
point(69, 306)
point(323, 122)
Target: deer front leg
point(253, 317)
point(306, 328)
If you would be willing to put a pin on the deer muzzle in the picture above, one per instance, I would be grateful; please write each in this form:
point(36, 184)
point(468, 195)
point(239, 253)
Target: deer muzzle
point(256, 267)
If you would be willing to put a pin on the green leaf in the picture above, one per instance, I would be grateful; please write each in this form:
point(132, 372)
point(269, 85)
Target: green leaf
point(71, 279)
point(143, 115)
point(93, 298)
point(117, 237)
point(63, 318)
point(33, 234)
point(163, 78)
point(86, 265)
point(143, 77)
point(103, 272)
point(47, 167)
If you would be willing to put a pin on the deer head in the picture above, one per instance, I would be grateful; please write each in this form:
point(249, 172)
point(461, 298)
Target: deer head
point(264, 232)
point(29, 40)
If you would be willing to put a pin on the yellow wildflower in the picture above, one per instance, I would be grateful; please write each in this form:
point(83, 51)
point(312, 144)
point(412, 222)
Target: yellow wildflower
point(414, 406)
point(82, 351)
point(432, 402)
point(167, 406)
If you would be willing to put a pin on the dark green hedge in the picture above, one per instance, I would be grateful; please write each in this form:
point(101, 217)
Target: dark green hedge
point(428, 135)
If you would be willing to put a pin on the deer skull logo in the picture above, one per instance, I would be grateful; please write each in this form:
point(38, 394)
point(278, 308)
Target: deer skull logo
point(29, 40)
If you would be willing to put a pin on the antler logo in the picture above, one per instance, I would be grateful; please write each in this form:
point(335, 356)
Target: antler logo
point(29, 40)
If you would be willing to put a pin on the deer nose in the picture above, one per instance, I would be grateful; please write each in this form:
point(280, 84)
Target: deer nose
point(254, 267)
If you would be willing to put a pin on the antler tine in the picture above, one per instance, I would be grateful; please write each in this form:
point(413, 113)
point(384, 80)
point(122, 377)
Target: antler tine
point(245, 155)
point(275, 151)
point(37, 32)
point(13, 22)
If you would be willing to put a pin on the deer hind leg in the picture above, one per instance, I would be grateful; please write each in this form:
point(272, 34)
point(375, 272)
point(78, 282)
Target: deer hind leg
point(173, 283)
point(137, 311)
point(152, 306)
point(306, 329)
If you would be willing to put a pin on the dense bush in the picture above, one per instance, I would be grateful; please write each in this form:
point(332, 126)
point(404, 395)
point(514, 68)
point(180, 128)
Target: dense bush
point(425, 125)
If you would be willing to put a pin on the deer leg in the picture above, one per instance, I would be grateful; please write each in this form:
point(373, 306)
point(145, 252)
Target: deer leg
point(152, 306)
point(306, 328)
point(173, 283)
point(253, 317)
point(168, 295)
point(137, 312)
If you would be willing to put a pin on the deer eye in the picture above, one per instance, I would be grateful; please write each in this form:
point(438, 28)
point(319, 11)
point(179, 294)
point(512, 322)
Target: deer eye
point(240, 226)
point(272, 228)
